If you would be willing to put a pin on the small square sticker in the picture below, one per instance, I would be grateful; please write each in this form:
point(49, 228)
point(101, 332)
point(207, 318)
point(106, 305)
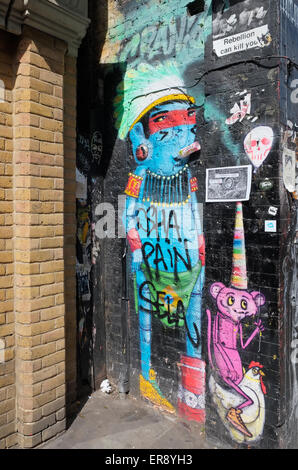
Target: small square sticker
point(272, 210)
point(270, 225)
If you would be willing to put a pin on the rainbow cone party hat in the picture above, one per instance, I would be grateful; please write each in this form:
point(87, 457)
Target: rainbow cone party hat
point(239, 276)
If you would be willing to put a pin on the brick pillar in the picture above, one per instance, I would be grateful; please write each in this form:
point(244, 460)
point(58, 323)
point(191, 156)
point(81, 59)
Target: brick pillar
point(7, 360)
point(39, 237)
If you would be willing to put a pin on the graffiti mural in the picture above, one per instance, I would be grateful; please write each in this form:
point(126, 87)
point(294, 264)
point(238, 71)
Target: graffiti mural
point(83, 261)
point(193, 141)
point(242, 407)
point(163, 226)
point(89, 336)
point(241, 110)
point(257, 145)
point(239, 394)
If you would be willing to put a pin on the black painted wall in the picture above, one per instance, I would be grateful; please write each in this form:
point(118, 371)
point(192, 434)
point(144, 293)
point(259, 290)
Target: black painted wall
point(288, 265)
point(270, 256)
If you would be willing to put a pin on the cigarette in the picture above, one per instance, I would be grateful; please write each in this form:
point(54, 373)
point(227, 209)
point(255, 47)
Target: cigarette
point(183, 153)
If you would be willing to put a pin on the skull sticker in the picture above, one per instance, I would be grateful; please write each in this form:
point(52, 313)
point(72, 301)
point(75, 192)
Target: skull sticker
point(257, 144)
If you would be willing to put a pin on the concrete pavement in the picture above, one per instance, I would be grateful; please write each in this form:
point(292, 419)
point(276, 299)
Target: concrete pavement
point(109, 422)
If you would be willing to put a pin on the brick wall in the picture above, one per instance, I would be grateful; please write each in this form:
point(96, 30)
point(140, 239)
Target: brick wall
point(7, 326)
point(38, 219)
point(37, 187)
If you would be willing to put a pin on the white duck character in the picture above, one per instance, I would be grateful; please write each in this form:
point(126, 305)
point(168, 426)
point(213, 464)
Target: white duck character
point(253, 416)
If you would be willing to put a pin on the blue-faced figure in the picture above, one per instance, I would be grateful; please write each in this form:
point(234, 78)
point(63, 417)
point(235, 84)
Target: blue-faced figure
point(164, 232)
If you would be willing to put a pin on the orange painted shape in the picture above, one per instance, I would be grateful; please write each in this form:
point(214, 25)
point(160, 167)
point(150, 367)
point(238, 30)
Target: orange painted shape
point(134, 185)
point(194, 184)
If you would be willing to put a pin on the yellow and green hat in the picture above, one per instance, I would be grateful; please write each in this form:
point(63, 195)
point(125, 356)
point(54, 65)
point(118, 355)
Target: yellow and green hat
point(144, 88)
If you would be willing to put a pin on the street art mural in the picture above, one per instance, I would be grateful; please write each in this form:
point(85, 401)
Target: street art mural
point(83, 261)
point(244, 410)
point(163, 225)
point(241, 406)
point(89, 336)
point(155, 115)
point(194, 154)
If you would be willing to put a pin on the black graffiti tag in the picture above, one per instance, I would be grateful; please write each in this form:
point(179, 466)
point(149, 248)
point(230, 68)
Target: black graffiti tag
point(172, 318)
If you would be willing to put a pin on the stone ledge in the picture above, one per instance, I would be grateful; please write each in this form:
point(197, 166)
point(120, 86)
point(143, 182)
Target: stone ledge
point(4, 4)
point(78, 6)
point(63, 19)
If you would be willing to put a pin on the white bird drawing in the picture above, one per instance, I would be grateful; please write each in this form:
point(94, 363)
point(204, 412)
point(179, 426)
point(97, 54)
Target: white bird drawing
point(253, 416)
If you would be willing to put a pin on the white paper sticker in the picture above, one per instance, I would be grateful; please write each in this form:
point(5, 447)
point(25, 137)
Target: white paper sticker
point(270, 225)
point(272, 210)
point(228, 184)
point(289, 169)
point(81, 190)
point(257, 37)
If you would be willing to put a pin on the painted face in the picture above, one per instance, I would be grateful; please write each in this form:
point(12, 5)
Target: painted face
point(258, 143)
point(234, 303)
point(171, 127)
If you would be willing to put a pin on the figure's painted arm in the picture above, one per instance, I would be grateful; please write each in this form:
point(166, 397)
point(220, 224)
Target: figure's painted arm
point(130, 220)
point(134, 191)
point(258, 329)
point(195, 210)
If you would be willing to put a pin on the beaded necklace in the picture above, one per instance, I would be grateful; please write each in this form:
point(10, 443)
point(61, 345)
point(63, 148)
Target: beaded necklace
point(167, 191)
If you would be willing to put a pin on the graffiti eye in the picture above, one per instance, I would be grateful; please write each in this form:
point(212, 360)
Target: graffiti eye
point(265, 141)
point(243, 304)
point(191, 112)
point(231, 300)
point(253, 143)
point(159, 119)
point(255, 371)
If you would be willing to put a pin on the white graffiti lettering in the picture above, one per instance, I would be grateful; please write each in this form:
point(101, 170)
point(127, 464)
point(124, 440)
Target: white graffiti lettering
point(164, 40)
point(294, 94)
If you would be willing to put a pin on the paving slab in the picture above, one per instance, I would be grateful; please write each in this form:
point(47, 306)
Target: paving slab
point(111, 422)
